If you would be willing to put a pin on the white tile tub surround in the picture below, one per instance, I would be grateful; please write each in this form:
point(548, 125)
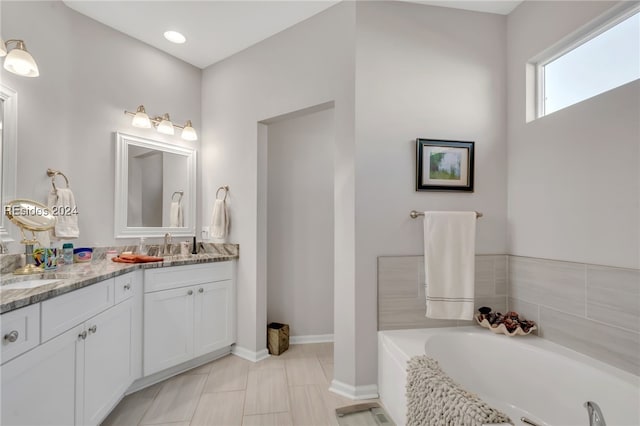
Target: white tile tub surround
point(588, 308)
point(401, 298)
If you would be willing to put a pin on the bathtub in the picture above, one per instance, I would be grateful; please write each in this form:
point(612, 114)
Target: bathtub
point(521, 376)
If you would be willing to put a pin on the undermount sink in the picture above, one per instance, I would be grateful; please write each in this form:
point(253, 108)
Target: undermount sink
point(27, 284)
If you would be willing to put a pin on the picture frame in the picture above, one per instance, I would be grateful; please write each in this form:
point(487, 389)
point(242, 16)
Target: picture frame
point(444, 165)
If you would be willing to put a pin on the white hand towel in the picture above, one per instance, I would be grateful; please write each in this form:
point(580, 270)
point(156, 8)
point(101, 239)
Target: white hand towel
point(175, 215)
point(62, 202)
point(219, 219)
point(449, 257)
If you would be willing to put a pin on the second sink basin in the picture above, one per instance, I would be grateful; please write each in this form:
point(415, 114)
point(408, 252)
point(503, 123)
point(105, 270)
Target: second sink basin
point(27, 284)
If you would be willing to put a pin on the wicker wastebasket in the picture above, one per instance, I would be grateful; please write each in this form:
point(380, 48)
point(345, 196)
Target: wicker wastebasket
point(277, 338)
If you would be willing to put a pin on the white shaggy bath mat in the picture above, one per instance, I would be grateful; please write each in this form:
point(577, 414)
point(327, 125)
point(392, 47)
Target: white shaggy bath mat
point(434, 399)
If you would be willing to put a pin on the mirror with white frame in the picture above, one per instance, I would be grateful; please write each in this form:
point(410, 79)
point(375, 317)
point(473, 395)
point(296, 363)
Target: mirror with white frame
point(155, 188)
point(8, 149)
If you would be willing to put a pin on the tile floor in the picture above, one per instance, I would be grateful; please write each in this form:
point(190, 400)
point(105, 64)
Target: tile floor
point(290, 389)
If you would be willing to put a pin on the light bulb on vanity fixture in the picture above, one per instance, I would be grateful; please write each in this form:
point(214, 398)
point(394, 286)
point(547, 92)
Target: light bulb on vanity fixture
point(162, 124)
point(18, 60)
point(165, 126)
point(141, 119)
point(188, 132)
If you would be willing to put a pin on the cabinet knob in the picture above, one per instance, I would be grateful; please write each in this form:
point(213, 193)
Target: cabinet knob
point(93, 329)
point(11, 336)
point(200, 290)
point(190, 292)
point(127, 286)
point(82, 335)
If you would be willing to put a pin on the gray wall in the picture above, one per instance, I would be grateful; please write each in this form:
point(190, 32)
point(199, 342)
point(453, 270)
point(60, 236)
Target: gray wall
point(574, 198)
point(430, 72)
point(417, 77)
point(574, 175)
point(309, 64)
point(89, 74)
point(300, 223)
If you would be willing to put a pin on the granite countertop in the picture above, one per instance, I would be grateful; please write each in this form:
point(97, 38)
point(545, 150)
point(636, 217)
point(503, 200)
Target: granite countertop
point(79, 275)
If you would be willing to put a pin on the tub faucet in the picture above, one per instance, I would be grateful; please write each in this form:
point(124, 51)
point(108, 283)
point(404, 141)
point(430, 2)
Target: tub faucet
point(167, 244)
point(595, 414)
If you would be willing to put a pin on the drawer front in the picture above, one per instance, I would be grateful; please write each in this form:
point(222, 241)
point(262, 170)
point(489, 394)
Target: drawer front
point(183, 276)
point(63, 312)
point(123, 287)
point(20, 331)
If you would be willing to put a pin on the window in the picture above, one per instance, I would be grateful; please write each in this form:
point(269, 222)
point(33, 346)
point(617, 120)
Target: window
point(608, 57)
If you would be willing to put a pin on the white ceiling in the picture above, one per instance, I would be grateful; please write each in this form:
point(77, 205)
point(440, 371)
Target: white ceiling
point(501, 7)
point(217, 29)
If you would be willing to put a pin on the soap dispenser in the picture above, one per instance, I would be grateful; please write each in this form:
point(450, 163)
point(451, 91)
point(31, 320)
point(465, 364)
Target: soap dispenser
point(141, 246)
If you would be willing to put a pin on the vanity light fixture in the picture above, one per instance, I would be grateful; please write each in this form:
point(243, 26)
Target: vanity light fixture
point(162, 123)
point(17, 60)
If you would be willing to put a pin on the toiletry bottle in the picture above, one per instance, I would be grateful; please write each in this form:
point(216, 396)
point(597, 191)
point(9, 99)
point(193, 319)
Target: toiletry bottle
point(194, 248)
point(67, 253)
point(141, 246)
point(111, 254)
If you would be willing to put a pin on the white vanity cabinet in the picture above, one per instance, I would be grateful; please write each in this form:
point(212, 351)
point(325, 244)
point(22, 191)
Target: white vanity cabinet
point(104, 367)
point(189, 311)
point(38, 387)
point(85, 361)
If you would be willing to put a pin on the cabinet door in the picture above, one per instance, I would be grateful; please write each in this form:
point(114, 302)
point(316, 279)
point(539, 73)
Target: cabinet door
point(214, 316)
point(107, 361)
point(38, 387)
point(168, 328)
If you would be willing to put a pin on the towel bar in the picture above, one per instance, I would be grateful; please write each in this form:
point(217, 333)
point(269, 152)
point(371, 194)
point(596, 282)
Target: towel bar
point(415, 214)
point(52, 174)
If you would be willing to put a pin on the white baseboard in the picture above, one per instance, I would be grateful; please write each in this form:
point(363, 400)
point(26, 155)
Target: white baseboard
point(250, 355)
point(313, 338)
point(354, 392)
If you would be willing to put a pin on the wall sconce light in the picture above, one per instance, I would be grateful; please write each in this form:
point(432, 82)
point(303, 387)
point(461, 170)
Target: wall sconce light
point(18, 60)
point(162, 123)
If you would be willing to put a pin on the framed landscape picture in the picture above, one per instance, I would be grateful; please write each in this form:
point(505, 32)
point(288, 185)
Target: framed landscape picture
point(443, 165)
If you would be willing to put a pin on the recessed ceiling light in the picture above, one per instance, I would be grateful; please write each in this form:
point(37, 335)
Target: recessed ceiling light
point(174, 37)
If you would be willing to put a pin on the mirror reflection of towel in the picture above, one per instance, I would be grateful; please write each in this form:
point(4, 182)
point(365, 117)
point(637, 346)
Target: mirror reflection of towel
point(63, 204)
point(175, 215)
point(219, 219)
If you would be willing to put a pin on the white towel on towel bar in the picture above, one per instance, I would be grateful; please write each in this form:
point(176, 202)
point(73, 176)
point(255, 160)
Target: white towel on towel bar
point(175, 215)
point(62, 202)
point(219, 219)
point(449, 257)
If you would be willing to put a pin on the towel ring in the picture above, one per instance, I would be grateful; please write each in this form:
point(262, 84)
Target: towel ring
point(52, 174)
point(180, 193)
point(226, 191)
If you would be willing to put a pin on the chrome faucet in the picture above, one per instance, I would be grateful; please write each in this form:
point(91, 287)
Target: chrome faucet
point(166, 248)
point(595, 414)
